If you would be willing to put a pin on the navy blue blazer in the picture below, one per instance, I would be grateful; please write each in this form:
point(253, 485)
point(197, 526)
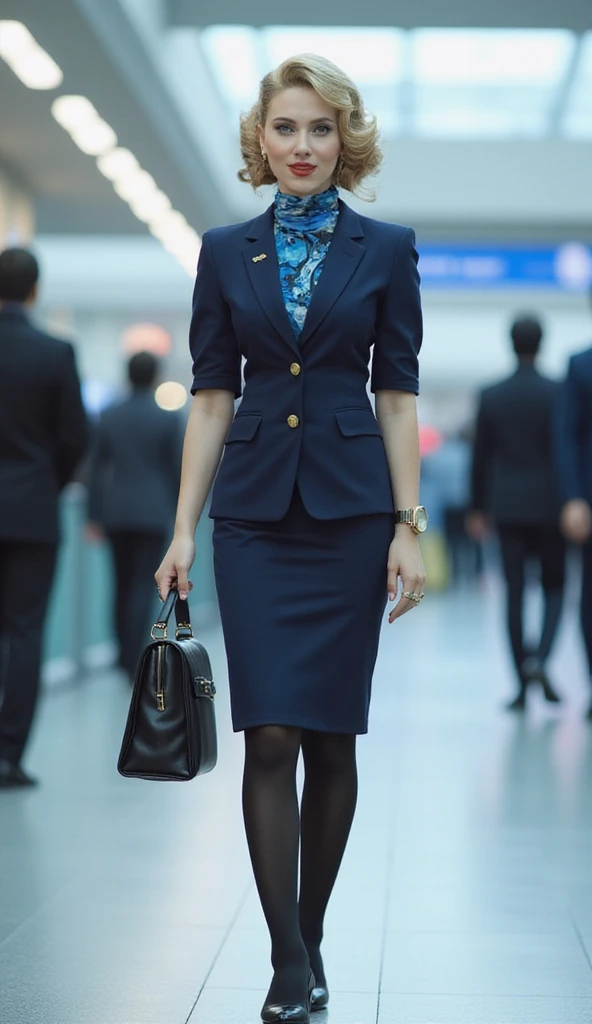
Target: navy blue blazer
point(305, 417)
point(574, 430)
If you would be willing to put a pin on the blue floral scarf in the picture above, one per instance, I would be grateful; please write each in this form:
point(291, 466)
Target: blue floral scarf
point(303, 232)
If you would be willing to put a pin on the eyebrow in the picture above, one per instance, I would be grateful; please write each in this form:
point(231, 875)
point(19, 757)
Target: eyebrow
point(316, 120)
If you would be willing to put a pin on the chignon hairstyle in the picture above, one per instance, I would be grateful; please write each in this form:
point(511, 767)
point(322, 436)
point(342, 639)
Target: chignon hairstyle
point(360, 153)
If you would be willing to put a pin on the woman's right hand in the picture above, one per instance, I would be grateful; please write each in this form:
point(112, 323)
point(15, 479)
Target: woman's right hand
point(174, 568)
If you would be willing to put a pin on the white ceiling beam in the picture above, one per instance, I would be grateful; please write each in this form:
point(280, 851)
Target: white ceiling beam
point(570, 14)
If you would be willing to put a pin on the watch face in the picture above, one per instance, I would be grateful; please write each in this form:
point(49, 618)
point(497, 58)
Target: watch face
point(421, 519)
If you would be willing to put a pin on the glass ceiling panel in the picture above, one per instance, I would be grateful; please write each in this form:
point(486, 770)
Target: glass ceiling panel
point(490, 56)
point(485, 112)
point(446, 83)
point(577, 121)
point(370, 56)
point(232, 52)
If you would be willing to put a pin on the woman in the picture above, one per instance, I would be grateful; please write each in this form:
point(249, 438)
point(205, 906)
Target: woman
point(306, 543)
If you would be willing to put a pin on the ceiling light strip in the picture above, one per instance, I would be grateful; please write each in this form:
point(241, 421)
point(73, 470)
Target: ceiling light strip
point(87, 129)
point(135, 186)
point(29, 61)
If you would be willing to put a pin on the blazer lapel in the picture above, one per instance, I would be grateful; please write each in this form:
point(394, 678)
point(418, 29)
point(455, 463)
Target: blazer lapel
point(265, 275)
point(341, 261)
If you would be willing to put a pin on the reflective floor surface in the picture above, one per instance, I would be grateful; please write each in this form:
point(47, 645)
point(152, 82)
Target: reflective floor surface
point(466, 891)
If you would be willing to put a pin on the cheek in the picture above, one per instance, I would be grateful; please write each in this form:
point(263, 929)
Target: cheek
point(330, 148)
point(278, 144)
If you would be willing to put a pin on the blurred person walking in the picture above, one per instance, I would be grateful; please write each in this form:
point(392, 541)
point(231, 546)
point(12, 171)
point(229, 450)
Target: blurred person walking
point(574, 464)
point(133, 482)
point(43, 435)
point(514, 485)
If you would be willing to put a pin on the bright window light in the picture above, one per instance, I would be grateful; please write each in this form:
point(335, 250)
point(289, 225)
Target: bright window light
point(368, 55)
point(491, 56)
point(32, 64)
point(171, 396)
point(577, 122)
point(232, 52)
point(455, 112)
point(462, 122)
point(240, 56)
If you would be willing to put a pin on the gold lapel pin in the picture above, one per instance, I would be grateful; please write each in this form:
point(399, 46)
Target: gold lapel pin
point(257, 259)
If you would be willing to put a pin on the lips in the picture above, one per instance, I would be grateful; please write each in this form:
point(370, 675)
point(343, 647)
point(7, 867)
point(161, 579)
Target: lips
point(302, 169)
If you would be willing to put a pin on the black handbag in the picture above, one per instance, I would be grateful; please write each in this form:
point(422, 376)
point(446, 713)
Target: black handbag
point(171, 726)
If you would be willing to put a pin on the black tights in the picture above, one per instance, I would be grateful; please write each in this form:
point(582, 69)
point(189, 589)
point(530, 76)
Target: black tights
point(277, 830)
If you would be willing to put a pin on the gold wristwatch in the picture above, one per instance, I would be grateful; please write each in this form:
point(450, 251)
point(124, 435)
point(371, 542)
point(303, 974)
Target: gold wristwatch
point(416, 518)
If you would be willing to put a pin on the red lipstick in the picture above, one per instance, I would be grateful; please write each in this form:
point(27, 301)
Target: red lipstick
point(301, 170)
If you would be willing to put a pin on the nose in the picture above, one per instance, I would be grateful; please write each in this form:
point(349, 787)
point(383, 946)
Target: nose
point(302, 144)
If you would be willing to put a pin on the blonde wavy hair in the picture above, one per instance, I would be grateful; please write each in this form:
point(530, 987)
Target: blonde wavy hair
point(358, 132)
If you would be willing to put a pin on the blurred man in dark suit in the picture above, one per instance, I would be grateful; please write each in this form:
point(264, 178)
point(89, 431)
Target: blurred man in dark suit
point(514, 485)
point(133, 485)
point(43, 435)
point(574, 462)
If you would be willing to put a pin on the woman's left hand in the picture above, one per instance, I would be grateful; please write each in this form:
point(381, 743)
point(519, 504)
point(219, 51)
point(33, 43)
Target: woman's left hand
point(405, 563)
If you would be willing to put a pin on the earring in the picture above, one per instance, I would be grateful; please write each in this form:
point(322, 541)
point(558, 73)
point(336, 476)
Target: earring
point(264, 155)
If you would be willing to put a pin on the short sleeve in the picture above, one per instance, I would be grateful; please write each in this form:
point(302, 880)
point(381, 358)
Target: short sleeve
point(213, 344)
point(399, 327)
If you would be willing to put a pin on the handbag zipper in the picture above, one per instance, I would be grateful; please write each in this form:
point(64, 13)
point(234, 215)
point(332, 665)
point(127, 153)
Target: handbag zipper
point(159, 686)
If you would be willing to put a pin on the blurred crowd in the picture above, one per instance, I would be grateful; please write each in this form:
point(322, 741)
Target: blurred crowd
point(513, 487)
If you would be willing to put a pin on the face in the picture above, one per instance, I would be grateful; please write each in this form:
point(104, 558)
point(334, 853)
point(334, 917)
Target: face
point(301, 140)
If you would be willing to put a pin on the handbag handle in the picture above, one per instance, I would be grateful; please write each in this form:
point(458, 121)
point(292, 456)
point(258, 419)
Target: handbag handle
point(183, 630)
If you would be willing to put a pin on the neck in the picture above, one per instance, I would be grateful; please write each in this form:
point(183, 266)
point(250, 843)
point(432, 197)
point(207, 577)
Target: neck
point(307, 195)
point(527, 361)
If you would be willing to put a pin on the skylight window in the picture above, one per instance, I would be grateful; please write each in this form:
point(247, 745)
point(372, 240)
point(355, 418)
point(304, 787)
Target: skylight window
point(455, 83)
point(370, 56)
point(232, 52)
point(577, 123)
point(240, 56)
point(490, 56)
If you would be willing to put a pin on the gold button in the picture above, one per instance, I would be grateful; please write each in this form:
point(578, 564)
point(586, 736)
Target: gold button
point(295, 369)
point(293, 421)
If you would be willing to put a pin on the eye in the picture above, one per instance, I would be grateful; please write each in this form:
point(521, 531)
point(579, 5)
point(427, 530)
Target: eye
point(283, 129)
point(322, 129)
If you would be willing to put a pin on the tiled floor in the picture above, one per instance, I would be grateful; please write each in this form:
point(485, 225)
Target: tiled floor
point(465, 895)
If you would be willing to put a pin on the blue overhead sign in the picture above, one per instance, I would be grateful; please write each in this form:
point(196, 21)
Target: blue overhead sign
point(566, 267)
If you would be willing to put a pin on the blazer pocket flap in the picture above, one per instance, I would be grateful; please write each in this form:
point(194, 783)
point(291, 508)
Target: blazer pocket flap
point(244, 427)
point(357, 423)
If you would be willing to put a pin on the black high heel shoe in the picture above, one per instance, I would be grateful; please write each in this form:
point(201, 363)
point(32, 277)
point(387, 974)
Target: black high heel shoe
point(319, 999)
point(290, 1013)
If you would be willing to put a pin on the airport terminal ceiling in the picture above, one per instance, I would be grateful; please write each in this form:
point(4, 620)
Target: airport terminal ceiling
point(149, 68)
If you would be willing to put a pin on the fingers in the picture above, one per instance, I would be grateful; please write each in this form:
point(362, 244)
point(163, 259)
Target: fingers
point(411, 585)
point(392, 582)
point(183, 585)
point(172, 579)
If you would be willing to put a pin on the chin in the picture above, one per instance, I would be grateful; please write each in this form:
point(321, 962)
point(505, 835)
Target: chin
point(304, 186)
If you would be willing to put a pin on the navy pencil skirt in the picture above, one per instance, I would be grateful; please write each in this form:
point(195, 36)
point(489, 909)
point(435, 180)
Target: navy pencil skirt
point(302, 602)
